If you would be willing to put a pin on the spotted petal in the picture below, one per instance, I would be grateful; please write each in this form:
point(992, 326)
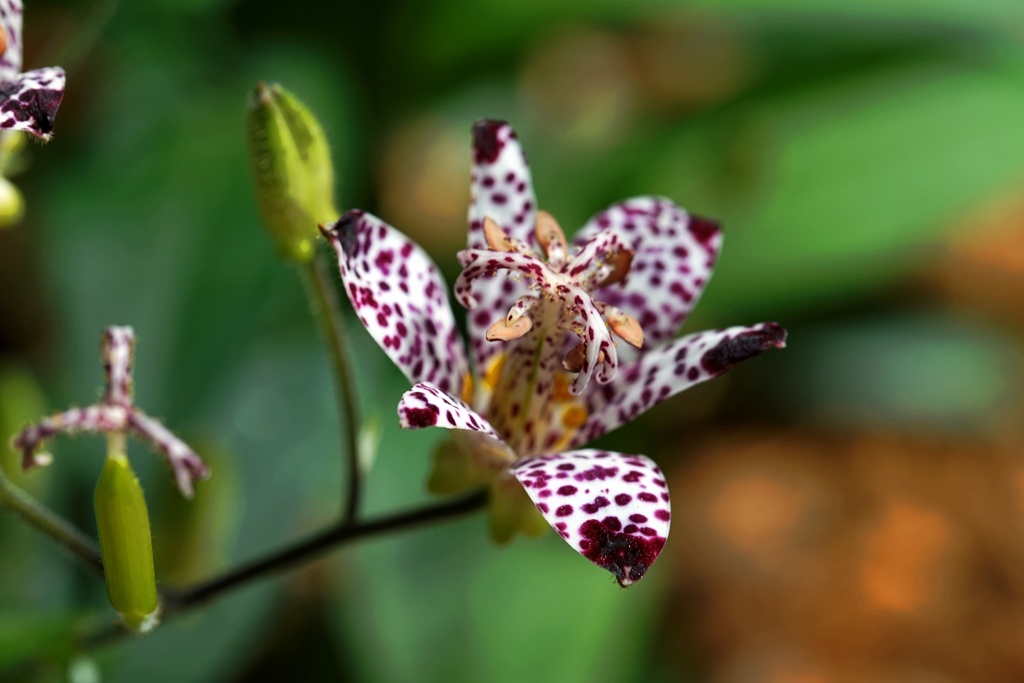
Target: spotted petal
point(10, 22)
point(503, 191)
point(610, 507)
point(400, 298)
point(673, 255)
point(670, 369)
point(427, 405)
point(29, 102)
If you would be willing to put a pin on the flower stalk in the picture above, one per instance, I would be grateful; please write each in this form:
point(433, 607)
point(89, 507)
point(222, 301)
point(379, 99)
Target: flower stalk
point(50, 524)
point(324, 302)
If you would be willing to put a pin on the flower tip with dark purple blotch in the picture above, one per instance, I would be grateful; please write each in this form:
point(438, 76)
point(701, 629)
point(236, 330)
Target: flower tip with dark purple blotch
point(343, 231)
point(705, 230)
point(486, 144)
point(743, 346)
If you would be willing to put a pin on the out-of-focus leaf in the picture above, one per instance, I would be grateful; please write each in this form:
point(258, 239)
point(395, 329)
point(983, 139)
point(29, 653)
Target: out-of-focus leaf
point(452, 31)
point(912, 372)
point(28, 635)
point(843, 184)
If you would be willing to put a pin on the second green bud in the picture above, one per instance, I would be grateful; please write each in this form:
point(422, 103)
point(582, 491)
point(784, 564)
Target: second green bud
point(291, 166)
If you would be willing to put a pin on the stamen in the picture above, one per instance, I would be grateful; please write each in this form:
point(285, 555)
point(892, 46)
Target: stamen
point(615, 269)
point(3, 41)
point(519, 308)
point(573, 361)
point(625, 326)
point(515, 324)
point(502, 331)
point(497, 239)
point(551, 238)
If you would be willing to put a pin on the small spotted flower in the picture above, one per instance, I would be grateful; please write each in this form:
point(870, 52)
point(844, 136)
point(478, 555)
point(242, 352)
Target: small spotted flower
point(568, 341)
point(115, 413)
point(28, 101)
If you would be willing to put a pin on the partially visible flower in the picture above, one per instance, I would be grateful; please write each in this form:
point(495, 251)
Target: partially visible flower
point(546, 318)
point(28, 101)
point(116, 413)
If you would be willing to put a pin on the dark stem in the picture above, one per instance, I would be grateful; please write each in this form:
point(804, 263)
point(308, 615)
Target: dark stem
point(50, 524)
point(328, 314)
point(325, 540)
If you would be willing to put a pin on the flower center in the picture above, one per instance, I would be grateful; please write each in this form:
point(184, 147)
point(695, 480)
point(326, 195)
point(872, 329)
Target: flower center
point(556, 329)
point(563, 282)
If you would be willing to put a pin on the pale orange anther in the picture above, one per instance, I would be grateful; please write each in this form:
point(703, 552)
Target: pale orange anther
point(627, 328)
point(573, 361)
point(497, 239)
point(502, 331)
point(3, 41)
point(550, 236)
point(620, 262)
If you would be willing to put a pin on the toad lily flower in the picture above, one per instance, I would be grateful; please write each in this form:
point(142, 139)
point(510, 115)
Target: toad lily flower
point(116, 413)
point(546, 318)
point(28, 101)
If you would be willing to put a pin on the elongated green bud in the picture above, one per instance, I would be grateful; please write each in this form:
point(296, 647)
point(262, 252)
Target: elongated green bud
point(126, 545)
point(291, 166)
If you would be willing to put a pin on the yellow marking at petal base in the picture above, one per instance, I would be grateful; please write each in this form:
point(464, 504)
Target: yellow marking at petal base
point(467, 389)
point(3, 41)
point(561, 390)
point(574, 417)
point(493, 374)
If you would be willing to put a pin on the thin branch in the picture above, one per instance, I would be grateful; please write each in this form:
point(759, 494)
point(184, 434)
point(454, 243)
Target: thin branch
point(325, 305)
point(328, 539)
point(50, 524)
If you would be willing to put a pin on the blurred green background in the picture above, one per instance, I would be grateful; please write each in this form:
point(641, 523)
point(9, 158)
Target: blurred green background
point(846, 510)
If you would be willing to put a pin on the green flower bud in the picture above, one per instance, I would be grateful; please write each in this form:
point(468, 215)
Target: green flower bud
point(126, 545)
point(12, 205)
point(291, 166)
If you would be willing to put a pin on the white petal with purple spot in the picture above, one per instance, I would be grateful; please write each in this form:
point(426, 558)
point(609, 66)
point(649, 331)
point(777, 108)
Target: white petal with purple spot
point(673, 255)
point(612, 508)
point(670, 369)
point(503, 191)
point(400, 298)
point(426, 405)
point(29, 102)
point(10, 22)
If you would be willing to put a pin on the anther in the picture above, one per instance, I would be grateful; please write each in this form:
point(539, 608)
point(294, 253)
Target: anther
point(497, 239)
point(573, 361)
point(515, 324)
point(502, 331)
point(626, 327)
point(617, 267)
point(551, 238)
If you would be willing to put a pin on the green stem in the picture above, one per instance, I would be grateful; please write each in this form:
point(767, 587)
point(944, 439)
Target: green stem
point(317, 544)
point(50, 524)
point(322, 295)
